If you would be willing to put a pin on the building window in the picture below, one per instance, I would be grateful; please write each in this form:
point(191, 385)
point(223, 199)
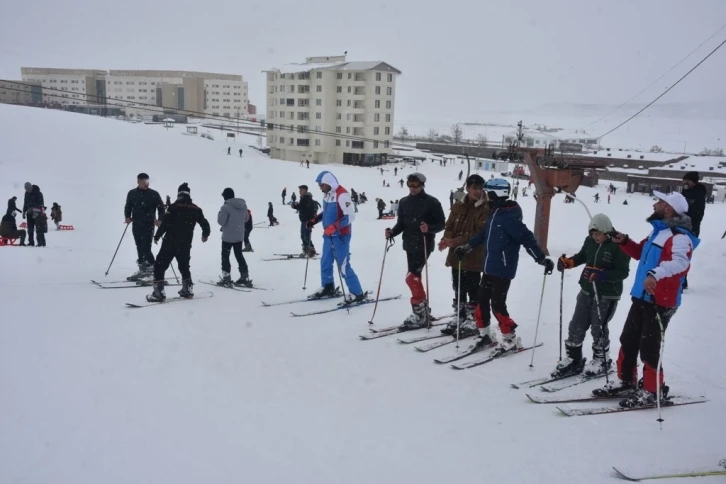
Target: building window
point(388, 130)
point(376, 118)
point(317, 140)
point(318, 102)
point(340, 75)
point(378, 76)
point(282, 88)
point(350, 75)
point(388, 118)
point(378, 90)
point(318, 88)
point(337, 141)
point(357, 145)
point(347, 117)
point(389, 90)
point(318, 115)
point(378, 104)
point(360, 77)
point(317, 129)
point(349, 102)
point(386, 144)
point(350, 88)
point(375, 143)
point(339, 103)
point(339, 89)
point(347, 142)
point(376, 131)
point(390, 79)
point(282, 139)
point(318, 75)
point(388, 104)
point(347, 130)
point(338, 116)
point(338, 129)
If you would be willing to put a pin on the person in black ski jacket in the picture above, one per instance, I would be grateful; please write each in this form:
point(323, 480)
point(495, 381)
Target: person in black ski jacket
point(248, 229)
point(12, 207)
point(271, 215)
point(420, 217)
point(695, 193)
point(381, 205)
point(307, 211)
point(284, 194)
point(142, 205)
point(32, 207)
point(177, 228)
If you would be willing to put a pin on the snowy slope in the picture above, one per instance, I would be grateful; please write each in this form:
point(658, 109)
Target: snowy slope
point(223, 390)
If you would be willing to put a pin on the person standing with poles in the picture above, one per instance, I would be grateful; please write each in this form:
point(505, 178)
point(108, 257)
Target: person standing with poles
point(420, 218)
point(177, 228)
point(665, 259)
point(232, 218)
point(307, 210)
point(606, 267)
point(337, 218)
point(465, 219)
point(32, 207)
point(142, 205)
point(503, 235)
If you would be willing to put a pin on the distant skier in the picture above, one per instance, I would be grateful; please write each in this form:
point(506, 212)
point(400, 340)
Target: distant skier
point(32, 206)
point(395, 171)
point(307, 162)
point(451, 199)
point(606, 267)
point(354, 198)
point(307, 211)
point(232, 218)
point(284, 194)
point(229, 150)
point(608, 199)
point(337, 218)
point(249, 225)
point(515, 192)
point(177, 228)
point(400, 182)
point(56, 215)
point(503, 235)
point(293, 198)
point(381, 206)
point(142, 204)
point(597, 197)
point(461, 174)
point(240, 152)
point(420, 217)
point(271, 215)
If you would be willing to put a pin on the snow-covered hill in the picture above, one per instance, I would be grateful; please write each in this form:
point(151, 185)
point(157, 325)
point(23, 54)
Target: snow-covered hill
point(223, 390)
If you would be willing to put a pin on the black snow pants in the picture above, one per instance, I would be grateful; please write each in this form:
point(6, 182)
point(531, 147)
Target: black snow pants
point(469, 284)
point(170, 251)
point(493, 297)
point(143, 236)
point(228, 247)
point(31, 229)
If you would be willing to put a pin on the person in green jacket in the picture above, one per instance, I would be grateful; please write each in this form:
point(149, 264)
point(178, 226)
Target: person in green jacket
point(601, 285)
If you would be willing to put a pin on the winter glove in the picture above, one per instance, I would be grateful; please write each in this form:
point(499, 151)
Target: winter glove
point(329, 230)
point(593, 274)
point(389, 233)
point(462, 250)
point(548, 265)
point(565, 262)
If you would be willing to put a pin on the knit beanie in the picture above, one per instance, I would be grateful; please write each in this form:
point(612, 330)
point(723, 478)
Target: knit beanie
point(184, 189)
point(227, 193)
point(691, 175)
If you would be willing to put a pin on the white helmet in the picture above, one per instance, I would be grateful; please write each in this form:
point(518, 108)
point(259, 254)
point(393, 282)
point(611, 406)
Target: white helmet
point(497, 188)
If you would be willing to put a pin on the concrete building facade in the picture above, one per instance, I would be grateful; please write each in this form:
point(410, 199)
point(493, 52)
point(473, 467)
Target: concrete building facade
point(20, 92)
point(327, 110)
point(66, 86)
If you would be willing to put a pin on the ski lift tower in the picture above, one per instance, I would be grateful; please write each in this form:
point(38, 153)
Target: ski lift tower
point(549, 170)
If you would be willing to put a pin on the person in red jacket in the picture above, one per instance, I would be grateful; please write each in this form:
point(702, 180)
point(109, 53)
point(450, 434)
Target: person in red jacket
point(665, 258)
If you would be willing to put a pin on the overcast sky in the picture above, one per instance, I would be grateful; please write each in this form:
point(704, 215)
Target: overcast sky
point(457, 57)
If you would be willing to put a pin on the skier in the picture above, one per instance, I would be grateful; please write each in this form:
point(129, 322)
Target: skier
point(307, 163)
point(451, 199)
point(354, 198)
point(400, 182)
point(307, 211)
point(32, 206)
point(229, 150)
point(503, 235)
point(284, 194)
point(248, 229)
point(9, 229)
point(384, 183)
point(293, 198)
point(142, 204)
point(177, 228)
point(665, 257)
point(337, 216)
point(606, 267)
point(381, 205)
point(240, 152)
point(381, 168)
point(56, 215)
point(695, 194)
point(420, 217)
point(232, 218)
point(608, 199)
point(597, 197)
point(467, 219)
point(395, 171)
point(515, 192)
point(461, 174)
point(271, 215)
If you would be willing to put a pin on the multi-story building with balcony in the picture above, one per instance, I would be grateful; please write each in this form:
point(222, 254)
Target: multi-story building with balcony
point(327, 110)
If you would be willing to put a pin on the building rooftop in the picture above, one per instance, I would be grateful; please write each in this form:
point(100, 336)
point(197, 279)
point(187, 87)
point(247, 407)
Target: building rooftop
point(703, 164)
point(41, 71)
point(155, 73)
point(336, 66)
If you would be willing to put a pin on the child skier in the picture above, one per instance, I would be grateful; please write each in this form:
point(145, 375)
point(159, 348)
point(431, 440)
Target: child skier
point(41, 227)
point(232, 218)
point(601, 285)
point(56, 215)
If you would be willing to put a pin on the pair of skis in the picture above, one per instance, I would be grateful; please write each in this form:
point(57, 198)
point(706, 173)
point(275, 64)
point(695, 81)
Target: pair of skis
point(672, 401)
point(340, 306)
point(375, 333)
point(289, 257)
point(128, 284)
point(553, 384)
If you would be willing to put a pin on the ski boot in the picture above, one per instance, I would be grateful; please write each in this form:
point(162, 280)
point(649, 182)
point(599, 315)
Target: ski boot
point(598, 366)
point(510, 342)
point(484, 340)
point(244, 280)
point(225, 280)
point(355, 299)
point(187, 290)
point(310, 252)
point(328, 290)
point(158, 295)
point(248, 248)
point(145, 271)
point(450, 328)
point(644, 398)
point(572, 364)
point(418, 318)
point(615, 387)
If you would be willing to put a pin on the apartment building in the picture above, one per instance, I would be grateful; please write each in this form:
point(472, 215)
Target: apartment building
point(65, 86)
point(210, 93)
point(19, 92)
point(328, 110)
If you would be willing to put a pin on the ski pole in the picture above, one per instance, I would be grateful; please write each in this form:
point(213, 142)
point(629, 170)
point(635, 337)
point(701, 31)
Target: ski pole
point(307, 262)
point(426, 268)
point(389, 244)
point(174, 272)
point(539, 314)
point(602, 328)
point(658, 369)
point(562, 287)
point(340, 274)
point(458, 305)
point(117, 247)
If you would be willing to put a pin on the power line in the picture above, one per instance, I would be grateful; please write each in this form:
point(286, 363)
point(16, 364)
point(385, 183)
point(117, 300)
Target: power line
point(665, 92)
point(160, 109)
point(661, 77)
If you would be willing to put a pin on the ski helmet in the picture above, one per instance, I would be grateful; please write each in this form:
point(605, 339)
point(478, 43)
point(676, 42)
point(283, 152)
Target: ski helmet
point(497, 188)
point(601, 223)
point(475, 180)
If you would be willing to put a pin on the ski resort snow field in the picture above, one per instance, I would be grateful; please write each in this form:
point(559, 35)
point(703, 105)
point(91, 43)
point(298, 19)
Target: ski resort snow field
point(224, 390)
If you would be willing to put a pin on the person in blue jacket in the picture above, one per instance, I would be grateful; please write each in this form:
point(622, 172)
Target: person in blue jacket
point(337, 216)
point(503, 235)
